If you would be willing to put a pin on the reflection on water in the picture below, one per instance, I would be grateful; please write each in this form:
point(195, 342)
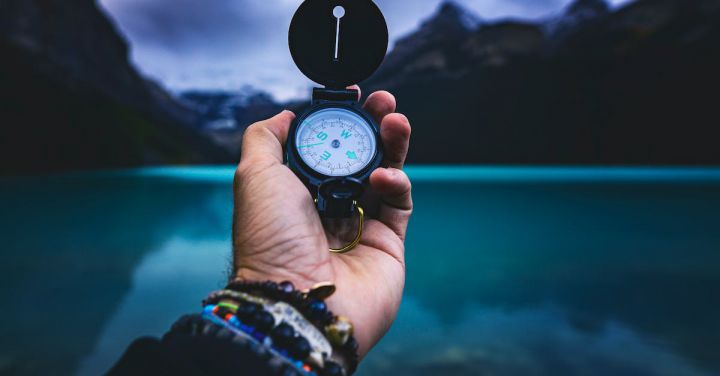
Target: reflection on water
point(510, 271)
point(71, 249)
point(527, 341)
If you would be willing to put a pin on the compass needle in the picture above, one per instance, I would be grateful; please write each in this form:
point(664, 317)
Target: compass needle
point(310, 145)
point(338, 12)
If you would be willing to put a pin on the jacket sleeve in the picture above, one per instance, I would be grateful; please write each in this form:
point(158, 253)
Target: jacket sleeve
point(195, 346)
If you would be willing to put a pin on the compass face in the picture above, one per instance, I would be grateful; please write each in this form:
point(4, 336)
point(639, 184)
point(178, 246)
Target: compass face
point(336, 142)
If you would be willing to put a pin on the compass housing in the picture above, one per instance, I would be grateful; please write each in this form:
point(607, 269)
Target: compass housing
point(309, 175)
point(336, 43)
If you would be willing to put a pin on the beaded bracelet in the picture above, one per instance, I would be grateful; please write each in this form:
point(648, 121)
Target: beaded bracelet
point(337, 329)
point(250, 318)
point(248, 307)
point(221, 332)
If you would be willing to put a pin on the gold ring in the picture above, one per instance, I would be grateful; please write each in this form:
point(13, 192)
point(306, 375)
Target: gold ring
point(356, 241)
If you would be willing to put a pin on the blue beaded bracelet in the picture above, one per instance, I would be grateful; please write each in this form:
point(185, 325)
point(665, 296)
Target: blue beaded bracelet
point(213, 313)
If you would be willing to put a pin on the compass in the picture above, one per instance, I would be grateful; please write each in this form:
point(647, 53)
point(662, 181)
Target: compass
point(336, 142)
point(334, 146)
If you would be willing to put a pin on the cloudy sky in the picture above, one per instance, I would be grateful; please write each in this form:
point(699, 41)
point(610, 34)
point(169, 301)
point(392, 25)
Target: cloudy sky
point(226, 44)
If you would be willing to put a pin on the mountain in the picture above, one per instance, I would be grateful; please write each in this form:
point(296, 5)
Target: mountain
point(225, 115)
point(224, 110)
point(69, 98)
point(428, 47)
point(636, 85)
point(578, 14)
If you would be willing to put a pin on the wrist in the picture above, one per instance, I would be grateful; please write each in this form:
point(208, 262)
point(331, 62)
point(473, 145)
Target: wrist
point(310, 303)
point(301, 280)
point(290, 257)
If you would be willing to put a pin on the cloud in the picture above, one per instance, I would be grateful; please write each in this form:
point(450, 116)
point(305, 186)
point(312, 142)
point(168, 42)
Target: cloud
point(187, 27)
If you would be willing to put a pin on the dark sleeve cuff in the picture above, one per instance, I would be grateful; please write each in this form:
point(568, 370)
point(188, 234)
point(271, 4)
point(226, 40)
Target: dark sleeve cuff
point(195, 346)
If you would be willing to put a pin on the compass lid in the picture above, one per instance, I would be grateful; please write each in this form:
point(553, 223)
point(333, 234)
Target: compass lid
point(338, 43)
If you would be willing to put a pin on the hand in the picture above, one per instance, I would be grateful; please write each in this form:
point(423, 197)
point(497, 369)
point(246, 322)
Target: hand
point(278, 235)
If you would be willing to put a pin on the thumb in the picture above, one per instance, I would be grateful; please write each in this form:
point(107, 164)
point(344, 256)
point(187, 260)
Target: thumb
point(263, 141)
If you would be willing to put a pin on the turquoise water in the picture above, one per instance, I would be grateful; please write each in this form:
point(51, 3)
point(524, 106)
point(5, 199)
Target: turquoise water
point(511, 271)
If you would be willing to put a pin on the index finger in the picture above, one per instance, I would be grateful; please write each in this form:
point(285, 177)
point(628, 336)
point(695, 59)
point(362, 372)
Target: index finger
point(380, 104)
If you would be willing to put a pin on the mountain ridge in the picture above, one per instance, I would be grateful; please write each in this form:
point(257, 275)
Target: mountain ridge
point(515, 94)
point(73, 101)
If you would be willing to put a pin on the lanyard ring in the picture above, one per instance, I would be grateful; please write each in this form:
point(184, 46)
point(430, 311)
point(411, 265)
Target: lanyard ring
point(361, 223)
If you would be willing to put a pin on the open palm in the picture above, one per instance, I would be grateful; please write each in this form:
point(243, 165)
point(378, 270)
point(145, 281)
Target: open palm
point(279, 236)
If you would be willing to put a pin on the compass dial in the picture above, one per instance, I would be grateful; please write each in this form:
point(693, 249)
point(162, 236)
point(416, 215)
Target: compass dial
point(336, 142)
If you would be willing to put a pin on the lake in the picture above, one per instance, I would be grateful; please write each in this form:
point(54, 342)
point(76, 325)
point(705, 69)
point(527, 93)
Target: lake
point(511, 271)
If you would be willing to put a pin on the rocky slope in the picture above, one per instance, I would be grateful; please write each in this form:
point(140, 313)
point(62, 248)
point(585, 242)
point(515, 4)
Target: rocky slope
point(633, 86)
point(224, 115)
point(69, 99)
